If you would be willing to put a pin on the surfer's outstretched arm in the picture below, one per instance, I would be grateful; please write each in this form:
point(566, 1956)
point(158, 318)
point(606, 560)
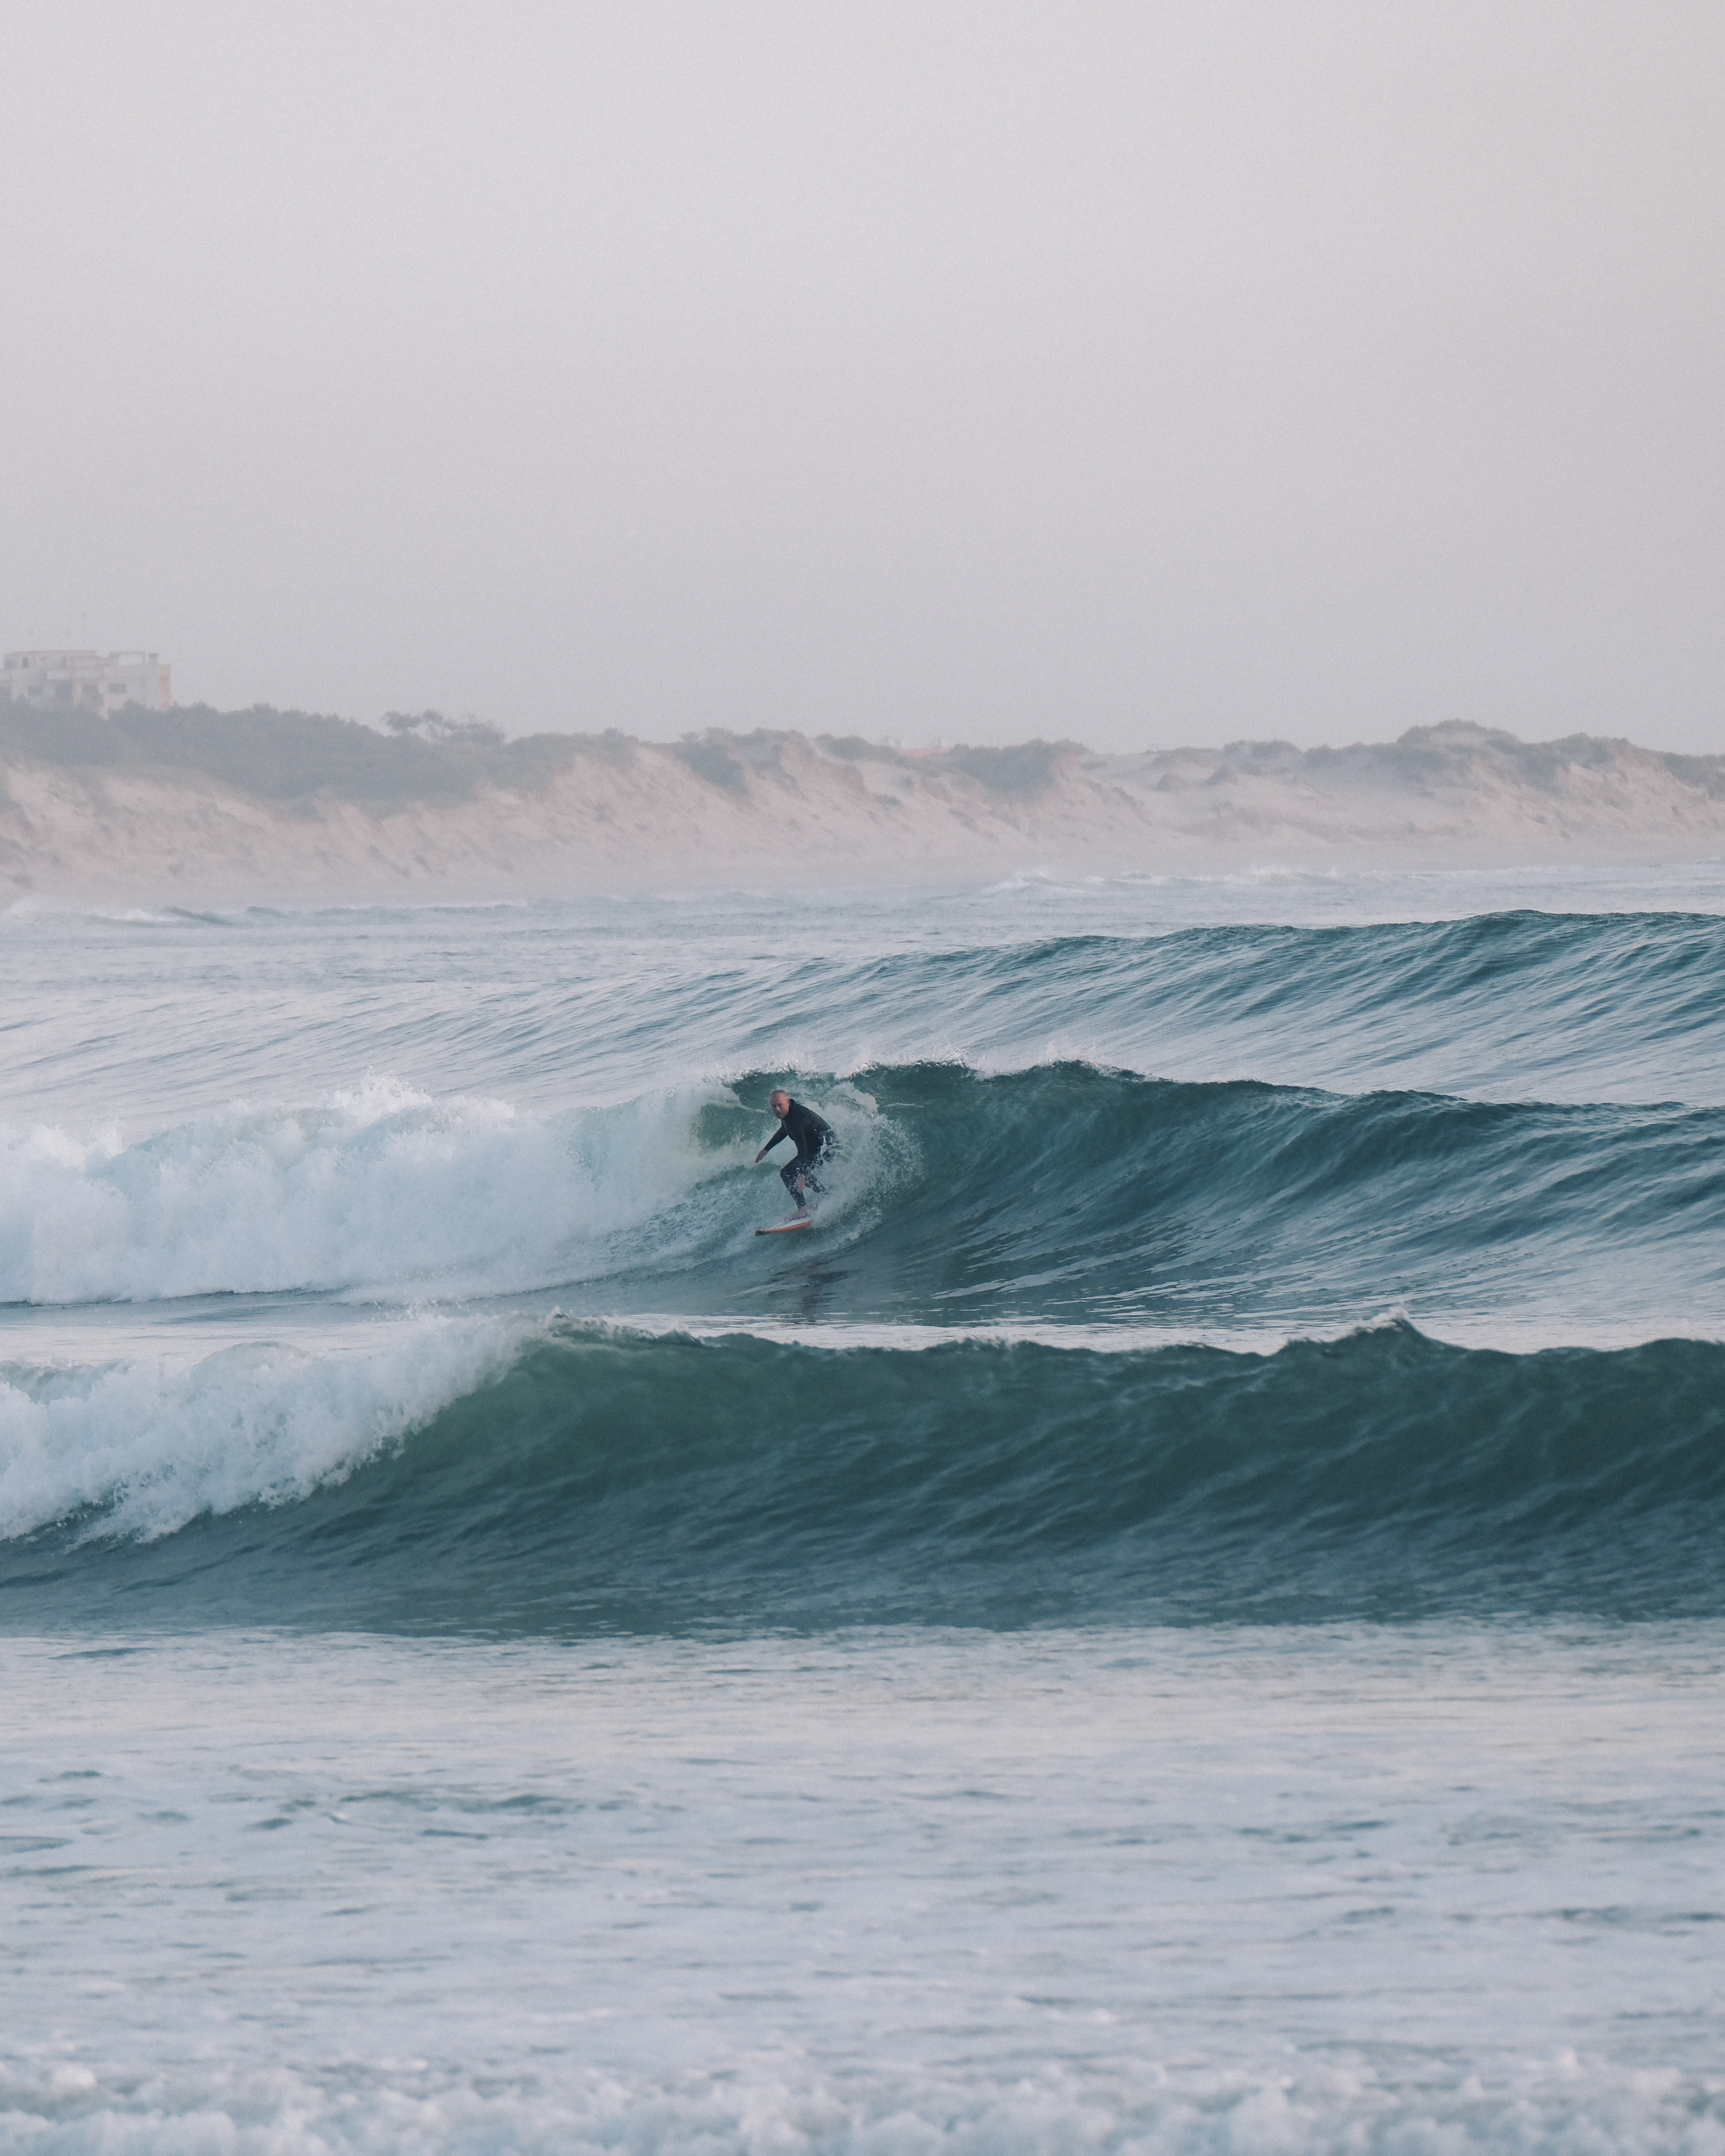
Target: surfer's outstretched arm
point(779, 1134)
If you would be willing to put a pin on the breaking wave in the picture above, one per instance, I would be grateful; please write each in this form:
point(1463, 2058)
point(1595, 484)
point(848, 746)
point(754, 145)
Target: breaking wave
point(582, 1478)
point(1062, 1193)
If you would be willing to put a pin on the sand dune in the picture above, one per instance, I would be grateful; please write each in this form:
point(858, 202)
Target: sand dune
point(211, 806)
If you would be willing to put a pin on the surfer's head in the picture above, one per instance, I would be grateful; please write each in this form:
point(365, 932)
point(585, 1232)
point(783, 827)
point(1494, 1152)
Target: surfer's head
point(779, 1102)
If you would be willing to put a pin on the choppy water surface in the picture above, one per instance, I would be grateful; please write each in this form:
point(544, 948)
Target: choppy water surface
point(1186, 1614)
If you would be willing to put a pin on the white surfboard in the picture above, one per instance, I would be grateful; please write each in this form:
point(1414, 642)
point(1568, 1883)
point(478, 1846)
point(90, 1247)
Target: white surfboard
point(788, 1227)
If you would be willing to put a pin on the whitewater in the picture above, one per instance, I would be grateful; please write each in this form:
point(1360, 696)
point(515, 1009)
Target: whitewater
point(1188, 1615)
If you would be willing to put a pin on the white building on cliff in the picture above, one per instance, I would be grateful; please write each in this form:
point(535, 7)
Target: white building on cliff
point(85, 680)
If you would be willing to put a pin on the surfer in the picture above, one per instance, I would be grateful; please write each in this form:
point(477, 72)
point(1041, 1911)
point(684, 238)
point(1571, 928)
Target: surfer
point(812, 1138)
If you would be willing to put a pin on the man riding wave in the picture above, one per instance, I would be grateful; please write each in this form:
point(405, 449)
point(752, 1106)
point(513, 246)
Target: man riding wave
point(814, 1141)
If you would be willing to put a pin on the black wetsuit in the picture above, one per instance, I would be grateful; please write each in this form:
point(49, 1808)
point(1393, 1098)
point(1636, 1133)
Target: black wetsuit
point(813, 1141)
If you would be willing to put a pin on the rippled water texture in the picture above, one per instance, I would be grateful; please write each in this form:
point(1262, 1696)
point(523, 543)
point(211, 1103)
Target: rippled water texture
point(1185, 1614)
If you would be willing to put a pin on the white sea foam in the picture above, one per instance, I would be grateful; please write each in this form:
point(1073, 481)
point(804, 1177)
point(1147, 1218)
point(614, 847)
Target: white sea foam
point(1420, 1891)
point(1506, 1334)
point(385, 1191)
point(146, 1444)
point(382, 1187)
point(1561, 2108)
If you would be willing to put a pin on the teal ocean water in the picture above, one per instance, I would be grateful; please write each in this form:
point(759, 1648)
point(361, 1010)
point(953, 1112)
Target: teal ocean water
point(1188, 1614)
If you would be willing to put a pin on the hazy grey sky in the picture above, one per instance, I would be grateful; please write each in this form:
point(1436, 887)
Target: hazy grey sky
point(1143, 373)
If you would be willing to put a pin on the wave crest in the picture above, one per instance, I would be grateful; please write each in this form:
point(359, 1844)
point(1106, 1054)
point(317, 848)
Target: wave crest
point(579, 1478)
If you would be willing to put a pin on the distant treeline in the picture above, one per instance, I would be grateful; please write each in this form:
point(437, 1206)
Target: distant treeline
point(294, 755)
point(295, 758)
